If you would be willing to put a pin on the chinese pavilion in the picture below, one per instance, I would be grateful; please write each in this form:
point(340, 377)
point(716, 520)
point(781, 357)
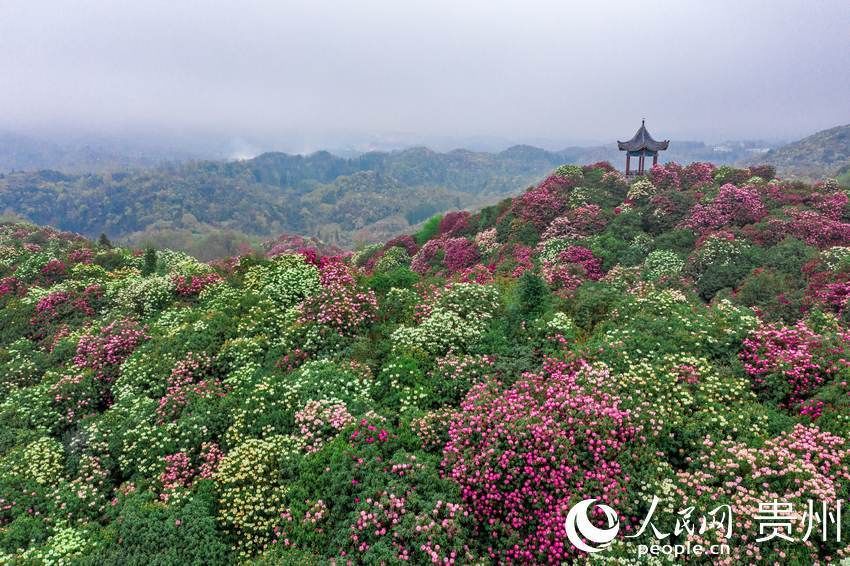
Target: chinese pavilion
point(641, 146)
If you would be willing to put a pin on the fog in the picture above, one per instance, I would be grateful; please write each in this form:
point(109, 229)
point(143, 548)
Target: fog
point(310, 73)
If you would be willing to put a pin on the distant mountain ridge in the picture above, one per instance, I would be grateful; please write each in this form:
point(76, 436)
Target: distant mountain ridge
point(341, 200)
point(823, 154)
point(25, 153)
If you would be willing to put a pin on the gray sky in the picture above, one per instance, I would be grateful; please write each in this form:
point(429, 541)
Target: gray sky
point(563, 71)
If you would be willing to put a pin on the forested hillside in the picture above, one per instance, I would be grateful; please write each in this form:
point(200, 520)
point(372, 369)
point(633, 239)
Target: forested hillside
point(824, 154)
point(443, 398)
point(370, 197)
point(212, 208)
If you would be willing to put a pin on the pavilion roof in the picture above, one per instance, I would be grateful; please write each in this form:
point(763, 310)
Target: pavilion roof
point(642, 140)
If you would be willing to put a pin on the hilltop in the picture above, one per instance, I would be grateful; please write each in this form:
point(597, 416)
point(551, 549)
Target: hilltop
point(444, 397)
point(823, 154)
point(212, 208)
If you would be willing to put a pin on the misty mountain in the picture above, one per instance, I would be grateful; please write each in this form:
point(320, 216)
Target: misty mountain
point(84, 154)
point(823, 154)
point(369, 197)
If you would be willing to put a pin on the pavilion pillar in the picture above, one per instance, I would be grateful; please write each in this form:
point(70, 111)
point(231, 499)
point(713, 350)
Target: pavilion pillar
point(640, 164)
point(628, 161)
point(655, 159)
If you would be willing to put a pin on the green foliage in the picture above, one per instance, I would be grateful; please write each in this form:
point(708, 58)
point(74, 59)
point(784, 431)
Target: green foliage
point(532, 295)
point(149, 262)
point(429, 229)
point(302, 409)
point(398, 278)
point(146, 532)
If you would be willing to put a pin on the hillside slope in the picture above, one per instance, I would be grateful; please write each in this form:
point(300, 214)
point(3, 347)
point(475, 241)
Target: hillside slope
point(445, 397)
point(321, 195)
point(823, 154)
point(211, 207)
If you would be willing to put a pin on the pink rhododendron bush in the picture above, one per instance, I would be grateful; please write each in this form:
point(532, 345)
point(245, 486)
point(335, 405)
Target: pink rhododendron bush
point(596, 366)
point(523, 454)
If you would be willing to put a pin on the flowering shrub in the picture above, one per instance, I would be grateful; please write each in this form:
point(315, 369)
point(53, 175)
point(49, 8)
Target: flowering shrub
point(696, 175)
point(486, 241)
point(392, 258)
point(799, 465)
point(571, 267)
point(456, 323)
point(640, 190)
point(319, 421)
point(666, 177)
point(662, 264)
point(788, 364)
point(188, 379)
point(141, 295)
point(460, 254)
point(250, 482)
point(192, 285)
point(684, 336)
point(524, 455)
point(837, 258)
point(818, 230)
point(538, 206)
point(105, 351)
point(341, 307)
point(732, 205)
point(430, 256)
point(453, 223)
point(286, 280)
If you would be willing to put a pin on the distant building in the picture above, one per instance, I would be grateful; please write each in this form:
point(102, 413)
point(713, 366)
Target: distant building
point(641, 146)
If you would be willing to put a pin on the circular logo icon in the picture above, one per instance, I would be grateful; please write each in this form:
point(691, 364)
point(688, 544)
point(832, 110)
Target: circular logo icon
point(579, 528)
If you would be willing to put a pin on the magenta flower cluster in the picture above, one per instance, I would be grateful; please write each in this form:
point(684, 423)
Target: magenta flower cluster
point(539, 206)
point(572, 267)
point(454, 223)
point(817, 229)
point(666, 177)
point(523, 455)
point(190, 378)
point(795, 356)
point(428, 257)
point(339, 305)
point(460, 254)
point(731, 206)
point(105, 351)
point(697, 175)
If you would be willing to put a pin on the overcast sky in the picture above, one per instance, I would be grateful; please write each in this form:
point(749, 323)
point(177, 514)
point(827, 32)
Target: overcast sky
point(564, 71)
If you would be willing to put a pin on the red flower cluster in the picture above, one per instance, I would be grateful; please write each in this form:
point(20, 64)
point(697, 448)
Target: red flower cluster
point(454, 223)
point(192, 285)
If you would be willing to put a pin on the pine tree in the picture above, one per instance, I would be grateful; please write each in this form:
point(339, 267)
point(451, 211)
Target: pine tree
point(149, 266)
